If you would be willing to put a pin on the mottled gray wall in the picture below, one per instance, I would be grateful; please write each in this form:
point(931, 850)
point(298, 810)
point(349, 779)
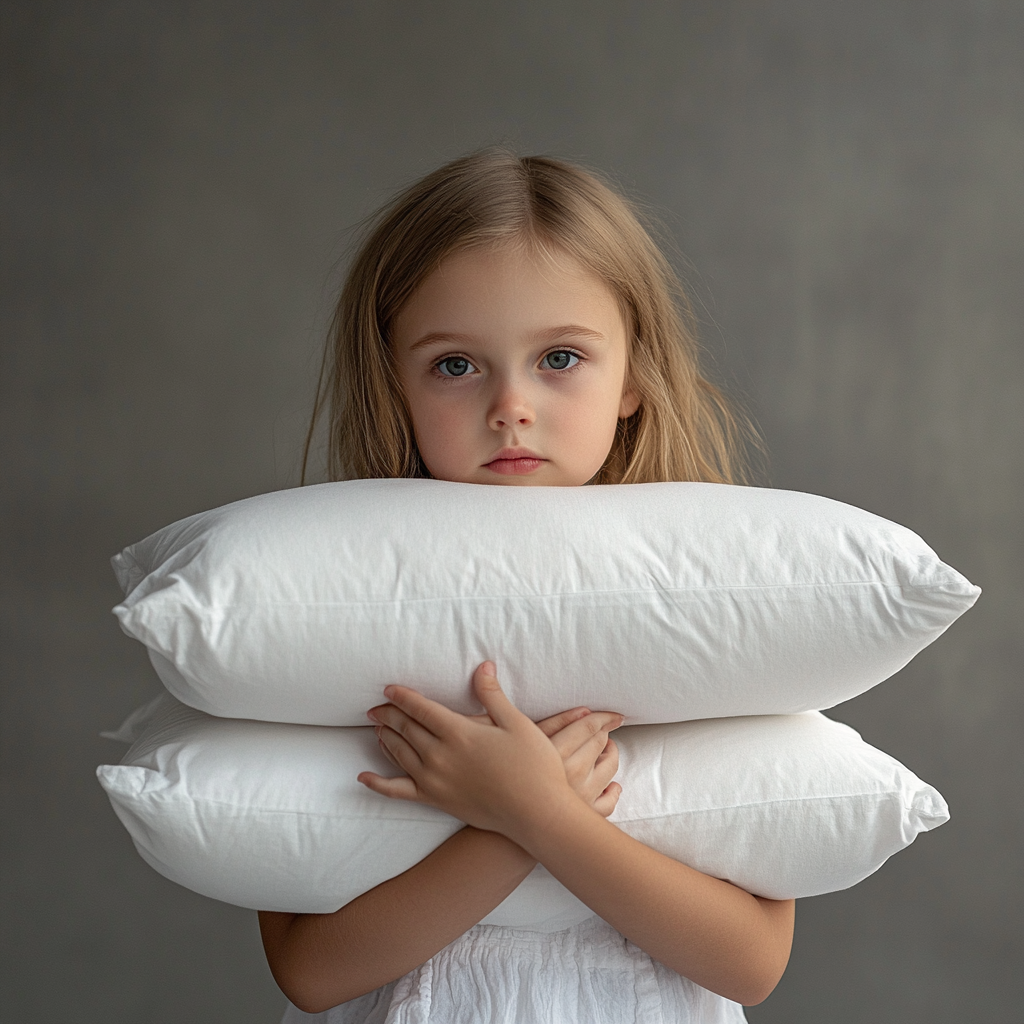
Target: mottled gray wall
point(845, 181)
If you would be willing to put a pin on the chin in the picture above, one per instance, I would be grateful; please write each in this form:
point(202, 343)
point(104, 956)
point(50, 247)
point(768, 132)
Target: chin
point(481, 475)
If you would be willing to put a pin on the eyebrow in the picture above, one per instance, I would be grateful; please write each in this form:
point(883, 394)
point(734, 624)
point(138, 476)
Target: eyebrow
point(551, 334)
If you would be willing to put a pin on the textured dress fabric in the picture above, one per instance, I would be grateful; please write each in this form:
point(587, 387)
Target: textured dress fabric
point(587, 974)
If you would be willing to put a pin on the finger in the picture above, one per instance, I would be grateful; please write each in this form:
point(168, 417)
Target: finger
point(592, 778)
point(583, 730)
point(403, 753)
point(384, 750)
point(593, 766)
point(401, 788)
point(585, 739)
point(395, 718)
point(556, 723)
point(606, 766)
point(608, 800)
point(434, 717)
point(489, 692)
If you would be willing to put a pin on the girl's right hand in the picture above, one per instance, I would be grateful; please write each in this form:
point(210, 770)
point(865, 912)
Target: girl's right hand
point(589, 756)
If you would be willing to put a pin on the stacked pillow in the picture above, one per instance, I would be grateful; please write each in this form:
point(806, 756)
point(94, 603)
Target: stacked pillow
point(271, 817)
point(671, 603)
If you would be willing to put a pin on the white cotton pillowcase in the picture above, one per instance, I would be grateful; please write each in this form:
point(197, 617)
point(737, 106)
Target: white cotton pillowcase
point(665, 602)
point(271, 816)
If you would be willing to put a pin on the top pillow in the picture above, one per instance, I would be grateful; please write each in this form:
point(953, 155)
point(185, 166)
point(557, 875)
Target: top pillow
point(666, 602)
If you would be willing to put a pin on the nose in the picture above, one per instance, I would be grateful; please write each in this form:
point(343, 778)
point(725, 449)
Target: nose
point(510, 407)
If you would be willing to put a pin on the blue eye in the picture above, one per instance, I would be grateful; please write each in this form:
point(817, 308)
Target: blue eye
point(560, 360)
point(454, 366)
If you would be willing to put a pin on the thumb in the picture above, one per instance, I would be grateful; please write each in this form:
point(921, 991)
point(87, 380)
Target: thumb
point(489, 692)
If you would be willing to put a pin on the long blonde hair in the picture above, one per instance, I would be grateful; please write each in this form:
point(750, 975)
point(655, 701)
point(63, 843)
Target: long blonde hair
point(684, 428)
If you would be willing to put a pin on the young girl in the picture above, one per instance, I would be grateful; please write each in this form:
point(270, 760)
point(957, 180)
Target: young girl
point(509, 322)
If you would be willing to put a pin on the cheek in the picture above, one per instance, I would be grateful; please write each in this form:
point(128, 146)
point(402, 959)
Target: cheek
point(601, 432)
point(598, 408)
point(588, 427)
point(439, 424)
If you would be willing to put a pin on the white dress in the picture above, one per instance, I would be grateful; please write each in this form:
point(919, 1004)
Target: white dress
point(586, 974)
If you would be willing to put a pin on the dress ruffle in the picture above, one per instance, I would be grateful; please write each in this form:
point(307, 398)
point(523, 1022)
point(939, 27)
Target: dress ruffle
point(587, 974)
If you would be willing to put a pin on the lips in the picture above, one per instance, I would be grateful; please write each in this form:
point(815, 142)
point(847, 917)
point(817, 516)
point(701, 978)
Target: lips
point(515, 462)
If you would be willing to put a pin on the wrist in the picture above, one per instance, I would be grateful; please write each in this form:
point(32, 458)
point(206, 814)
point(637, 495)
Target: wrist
point(562, 809)
point(495, 845)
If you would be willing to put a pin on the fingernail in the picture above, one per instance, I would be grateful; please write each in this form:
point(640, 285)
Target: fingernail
point(371, 716)
point(389, 691)
point(489, 668)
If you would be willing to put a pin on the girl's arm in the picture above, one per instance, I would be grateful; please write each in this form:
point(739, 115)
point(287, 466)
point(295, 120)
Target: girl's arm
point(708, 930)
point(320, 960)
point(505, 777)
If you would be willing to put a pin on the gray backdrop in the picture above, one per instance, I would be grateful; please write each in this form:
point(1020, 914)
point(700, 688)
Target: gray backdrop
point(845, 181)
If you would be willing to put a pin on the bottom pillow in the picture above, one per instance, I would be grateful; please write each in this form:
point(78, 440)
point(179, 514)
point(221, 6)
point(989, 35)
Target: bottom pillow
point(271, 816)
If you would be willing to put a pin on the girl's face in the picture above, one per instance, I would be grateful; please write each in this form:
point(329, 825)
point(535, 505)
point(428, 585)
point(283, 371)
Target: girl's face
point(513, 367)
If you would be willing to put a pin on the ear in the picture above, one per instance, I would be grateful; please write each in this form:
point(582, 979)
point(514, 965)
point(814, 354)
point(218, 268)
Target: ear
point(629, 404)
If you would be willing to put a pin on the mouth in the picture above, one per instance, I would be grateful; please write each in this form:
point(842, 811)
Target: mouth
point(515, 462)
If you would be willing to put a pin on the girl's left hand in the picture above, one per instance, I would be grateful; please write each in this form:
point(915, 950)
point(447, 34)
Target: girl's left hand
point(496, 771)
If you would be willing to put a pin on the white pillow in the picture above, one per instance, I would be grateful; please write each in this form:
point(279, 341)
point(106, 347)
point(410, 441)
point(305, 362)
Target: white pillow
point(271, 816)
point(664, 602)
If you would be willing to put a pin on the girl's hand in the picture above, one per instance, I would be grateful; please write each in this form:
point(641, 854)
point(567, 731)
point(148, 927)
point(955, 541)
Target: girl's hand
point(497, 770)
point(589, 756)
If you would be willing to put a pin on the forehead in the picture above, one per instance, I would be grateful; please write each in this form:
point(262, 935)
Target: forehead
point(530, 288)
